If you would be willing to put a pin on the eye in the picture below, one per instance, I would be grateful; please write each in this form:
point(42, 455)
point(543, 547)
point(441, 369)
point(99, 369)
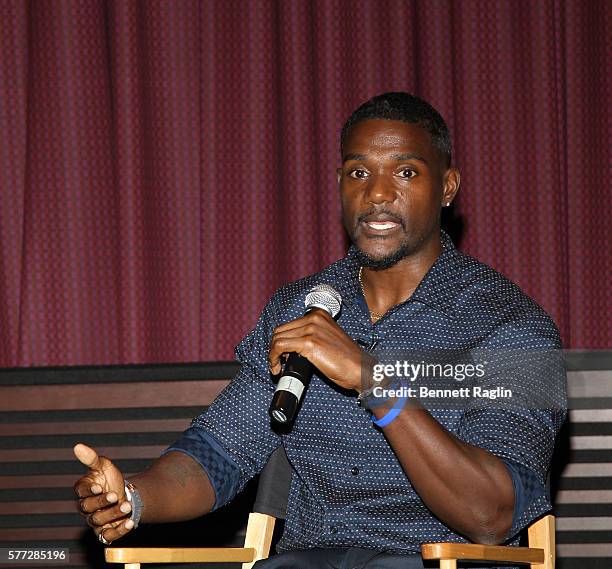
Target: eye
point(358, 173)
point(407, 173)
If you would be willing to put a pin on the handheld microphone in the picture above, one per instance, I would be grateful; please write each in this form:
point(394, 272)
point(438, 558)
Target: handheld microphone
point(298, 370)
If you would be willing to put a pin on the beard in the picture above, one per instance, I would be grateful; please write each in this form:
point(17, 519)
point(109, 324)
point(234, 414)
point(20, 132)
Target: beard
point(404, 250)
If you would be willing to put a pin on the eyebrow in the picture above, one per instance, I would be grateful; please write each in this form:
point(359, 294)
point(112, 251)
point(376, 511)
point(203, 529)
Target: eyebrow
point(409, 156)
point(398, 157)
point(348, 157)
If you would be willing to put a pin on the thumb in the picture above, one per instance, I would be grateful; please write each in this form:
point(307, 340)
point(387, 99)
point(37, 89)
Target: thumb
point(87, 456)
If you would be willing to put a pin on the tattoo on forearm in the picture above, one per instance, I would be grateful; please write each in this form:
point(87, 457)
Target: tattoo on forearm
point(182, 473)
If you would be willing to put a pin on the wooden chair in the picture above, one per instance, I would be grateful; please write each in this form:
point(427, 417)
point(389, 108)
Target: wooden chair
point(539, 555)
point(271, 503)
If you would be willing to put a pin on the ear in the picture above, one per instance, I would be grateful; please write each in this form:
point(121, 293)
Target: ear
point(338, 174)
point(452, 181)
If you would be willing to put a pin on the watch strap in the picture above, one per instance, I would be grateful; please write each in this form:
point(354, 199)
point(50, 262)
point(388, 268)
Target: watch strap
point(135, 500)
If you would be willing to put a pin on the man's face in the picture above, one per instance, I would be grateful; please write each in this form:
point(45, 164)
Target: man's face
point(392, 185)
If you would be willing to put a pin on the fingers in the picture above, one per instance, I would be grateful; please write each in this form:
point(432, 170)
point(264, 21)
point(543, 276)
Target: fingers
point(318, 338)
point(87, 456)
point(316, 316)
point(111, 534)
point(106, 512)
point(304, 332)
point(301, 344)
point(91, 504)
point(297, 336)
point(111, 522)
point(109, 516)
point(87, 486)
point(284, 345)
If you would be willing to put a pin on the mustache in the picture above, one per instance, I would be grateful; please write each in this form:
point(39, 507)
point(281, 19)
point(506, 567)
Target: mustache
point(380, 214)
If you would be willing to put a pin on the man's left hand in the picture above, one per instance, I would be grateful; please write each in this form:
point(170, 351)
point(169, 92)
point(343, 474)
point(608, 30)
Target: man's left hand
point(317, 337)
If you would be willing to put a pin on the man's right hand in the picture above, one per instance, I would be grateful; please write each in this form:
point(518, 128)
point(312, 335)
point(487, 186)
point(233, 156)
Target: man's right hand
point(101, 494)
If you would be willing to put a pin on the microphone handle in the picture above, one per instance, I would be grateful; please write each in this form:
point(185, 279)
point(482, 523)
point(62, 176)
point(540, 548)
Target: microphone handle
point(291, 386)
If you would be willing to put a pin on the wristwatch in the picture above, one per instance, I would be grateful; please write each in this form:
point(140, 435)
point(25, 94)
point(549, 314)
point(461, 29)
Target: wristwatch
point(133, 496)
point(364, 397)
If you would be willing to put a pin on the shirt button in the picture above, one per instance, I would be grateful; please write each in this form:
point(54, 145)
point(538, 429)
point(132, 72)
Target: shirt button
point(333, 529)
point(354, 471)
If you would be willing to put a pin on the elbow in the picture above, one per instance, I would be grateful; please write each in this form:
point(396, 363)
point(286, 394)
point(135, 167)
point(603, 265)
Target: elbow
point(489, 536)
point(492, 528)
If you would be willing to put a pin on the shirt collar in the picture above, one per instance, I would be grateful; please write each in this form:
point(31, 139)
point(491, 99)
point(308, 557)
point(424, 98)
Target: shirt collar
point(437, 289)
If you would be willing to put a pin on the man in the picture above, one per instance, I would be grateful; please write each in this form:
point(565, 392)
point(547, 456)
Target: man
point(371, 484)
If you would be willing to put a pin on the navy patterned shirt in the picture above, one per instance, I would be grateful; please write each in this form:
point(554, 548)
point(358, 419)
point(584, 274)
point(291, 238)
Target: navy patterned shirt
point(348, 489)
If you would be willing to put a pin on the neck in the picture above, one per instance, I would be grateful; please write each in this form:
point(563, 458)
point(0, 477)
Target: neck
point(384, 289)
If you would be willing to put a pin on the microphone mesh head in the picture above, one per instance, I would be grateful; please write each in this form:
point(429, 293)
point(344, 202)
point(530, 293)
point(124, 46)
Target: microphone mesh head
point(325, 297)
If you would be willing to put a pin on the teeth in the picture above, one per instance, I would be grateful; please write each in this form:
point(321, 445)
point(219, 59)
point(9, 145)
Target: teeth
point(381, 224)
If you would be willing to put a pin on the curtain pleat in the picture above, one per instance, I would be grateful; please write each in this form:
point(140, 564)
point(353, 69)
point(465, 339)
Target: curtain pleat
point(165, 166)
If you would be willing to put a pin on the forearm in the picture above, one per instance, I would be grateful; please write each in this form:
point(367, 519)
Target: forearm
point(174, 488)
point(467, 487)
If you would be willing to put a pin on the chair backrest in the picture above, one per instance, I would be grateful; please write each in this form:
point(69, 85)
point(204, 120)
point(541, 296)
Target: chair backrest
point(273, 488)
point(542, 536)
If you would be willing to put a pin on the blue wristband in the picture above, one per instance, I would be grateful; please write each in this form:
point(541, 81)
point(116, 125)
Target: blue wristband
point(392, 414)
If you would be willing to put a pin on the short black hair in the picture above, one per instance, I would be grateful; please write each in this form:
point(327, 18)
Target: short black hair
point(400, 106)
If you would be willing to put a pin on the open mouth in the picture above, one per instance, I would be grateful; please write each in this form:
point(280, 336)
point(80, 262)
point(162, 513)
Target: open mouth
point(380, 228)
point(381, 225)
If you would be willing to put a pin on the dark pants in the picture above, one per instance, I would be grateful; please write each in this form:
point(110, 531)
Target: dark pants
point(340, 558)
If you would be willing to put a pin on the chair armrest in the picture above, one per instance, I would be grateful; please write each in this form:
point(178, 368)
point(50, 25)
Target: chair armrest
point(476, 552)
point(178, 554)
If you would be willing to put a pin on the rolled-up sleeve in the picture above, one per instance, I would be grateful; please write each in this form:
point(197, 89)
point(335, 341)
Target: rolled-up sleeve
point(529, 491)
point(232, 440)
point(523, 358)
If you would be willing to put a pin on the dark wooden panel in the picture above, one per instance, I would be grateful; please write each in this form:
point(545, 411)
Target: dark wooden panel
point(124, 413)
point(50, 454)
point(65, 427)
point(123, 395)
point(30, 508)
point(119, 374)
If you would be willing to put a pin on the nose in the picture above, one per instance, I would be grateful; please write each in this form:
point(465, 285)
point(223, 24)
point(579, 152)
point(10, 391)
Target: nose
point(380, 190)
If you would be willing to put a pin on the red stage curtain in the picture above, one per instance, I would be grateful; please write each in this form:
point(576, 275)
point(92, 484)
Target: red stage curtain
point(165, 166)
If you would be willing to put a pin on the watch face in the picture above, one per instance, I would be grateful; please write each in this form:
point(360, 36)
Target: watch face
point(363, 397)
point(133, 497)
